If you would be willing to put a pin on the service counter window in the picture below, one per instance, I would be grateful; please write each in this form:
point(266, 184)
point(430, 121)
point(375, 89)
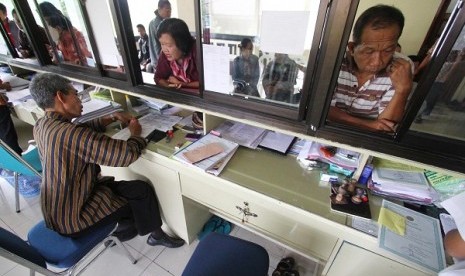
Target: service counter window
point(32, 37)
point(258, 50)
point(166, 52)
point(375, 82)
point(65, 25)
point(4, 50)
point(10, 40)
point(110, 52)
point(442, 112)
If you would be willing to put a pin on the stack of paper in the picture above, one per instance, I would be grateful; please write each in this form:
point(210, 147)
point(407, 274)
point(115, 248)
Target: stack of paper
point(411, 235)
point(344, 161)
point(446, 185)
point(94, 108)
point(149, 123)
point(242, 134)
point(410, 186)
point(16, 82)
point(157, 105)
point(277, 141)
point(18, 96)
point(210, 153)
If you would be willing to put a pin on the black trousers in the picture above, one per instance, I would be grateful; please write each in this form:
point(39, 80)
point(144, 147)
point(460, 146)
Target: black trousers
point(7, 130)
point(142, 208)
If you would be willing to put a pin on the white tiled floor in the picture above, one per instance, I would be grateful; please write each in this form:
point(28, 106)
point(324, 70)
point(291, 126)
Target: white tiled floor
point(158, 261)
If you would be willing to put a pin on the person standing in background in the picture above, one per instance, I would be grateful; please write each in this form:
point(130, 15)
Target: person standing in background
point(71, 42)
point(163, 12)
point(9, 26)
point(246, 70)
point(24, 47)
point(144, 55)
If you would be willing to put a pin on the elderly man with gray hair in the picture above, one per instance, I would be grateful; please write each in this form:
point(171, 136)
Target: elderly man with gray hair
point(74, 197)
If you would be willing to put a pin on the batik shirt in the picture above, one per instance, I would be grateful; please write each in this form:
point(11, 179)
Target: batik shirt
point(71, 197)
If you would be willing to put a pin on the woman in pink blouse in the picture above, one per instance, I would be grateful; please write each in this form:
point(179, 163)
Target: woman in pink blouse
point(71, 42)
point(176, 65)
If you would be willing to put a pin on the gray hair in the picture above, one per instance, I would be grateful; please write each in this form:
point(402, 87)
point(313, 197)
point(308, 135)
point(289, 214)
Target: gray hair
point(44, 87)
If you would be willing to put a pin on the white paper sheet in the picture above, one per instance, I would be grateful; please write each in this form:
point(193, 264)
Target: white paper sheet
point(149, 123)
point(284, 31)
point(18, 96)
point(277, 141)
point(447, 222)
point(422, 242)
point(368, 226)
point(245, 135)
point(216, 68)
point(455, 206)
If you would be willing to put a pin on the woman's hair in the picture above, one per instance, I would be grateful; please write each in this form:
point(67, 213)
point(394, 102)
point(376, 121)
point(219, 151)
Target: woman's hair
point(245, 42)
point(179, 31)
point(56, 17)
point(44, 87)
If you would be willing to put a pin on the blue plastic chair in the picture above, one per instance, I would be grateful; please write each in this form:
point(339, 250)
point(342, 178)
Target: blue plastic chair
point(47, 247)
point(27, 164)
point(219, 254)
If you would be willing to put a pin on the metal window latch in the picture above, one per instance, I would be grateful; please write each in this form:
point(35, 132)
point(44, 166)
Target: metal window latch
point(245, 211)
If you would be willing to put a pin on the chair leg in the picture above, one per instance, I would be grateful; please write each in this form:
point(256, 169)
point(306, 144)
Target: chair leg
point(16, 177)
point(128, 254)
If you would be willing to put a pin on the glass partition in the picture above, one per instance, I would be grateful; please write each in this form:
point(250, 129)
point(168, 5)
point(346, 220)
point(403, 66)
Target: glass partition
point(24, 45)
point(375, 80)
point(65, 24)
point(257, 49)
point(4, 47)
point(167, 63)
point(10, 28)
point(102, 25)
point(443, 111)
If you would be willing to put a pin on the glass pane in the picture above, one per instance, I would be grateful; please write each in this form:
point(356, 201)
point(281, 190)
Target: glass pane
point(443, 111)
point(3, 47)
point(24, 46)
point(105, 35)
point(250, 51)
point(10, 27)
point(375, 80)
point(65, 24)
point(146, 13)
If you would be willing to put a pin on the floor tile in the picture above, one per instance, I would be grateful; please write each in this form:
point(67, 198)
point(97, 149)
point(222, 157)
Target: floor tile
point(174, 260)
point(6, 265)
point(115, 262)
point(155, 270)
point(139, 244)
point(20, 270)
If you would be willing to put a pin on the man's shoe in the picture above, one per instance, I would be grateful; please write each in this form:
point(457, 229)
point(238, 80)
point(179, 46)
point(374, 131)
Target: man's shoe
point(166, 241)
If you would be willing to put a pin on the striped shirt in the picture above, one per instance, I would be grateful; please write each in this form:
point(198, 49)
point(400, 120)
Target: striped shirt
point(71, 198)
point(367, 101)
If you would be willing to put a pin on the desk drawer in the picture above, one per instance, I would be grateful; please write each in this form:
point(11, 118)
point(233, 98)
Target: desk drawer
point(274, 219)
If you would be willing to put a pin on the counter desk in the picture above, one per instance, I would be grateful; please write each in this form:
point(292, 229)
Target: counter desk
point(271, 195)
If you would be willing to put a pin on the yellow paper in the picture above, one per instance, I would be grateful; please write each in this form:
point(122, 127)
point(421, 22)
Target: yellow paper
point(392, 220)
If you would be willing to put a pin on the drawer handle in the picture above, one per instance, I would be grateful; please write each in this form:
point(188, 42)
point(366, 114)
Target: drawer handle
point(245, 211)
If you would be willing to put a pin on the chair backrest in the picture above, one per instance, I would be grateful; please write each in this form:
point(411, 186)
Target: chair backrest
point(219, 254)
point(29, 164)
